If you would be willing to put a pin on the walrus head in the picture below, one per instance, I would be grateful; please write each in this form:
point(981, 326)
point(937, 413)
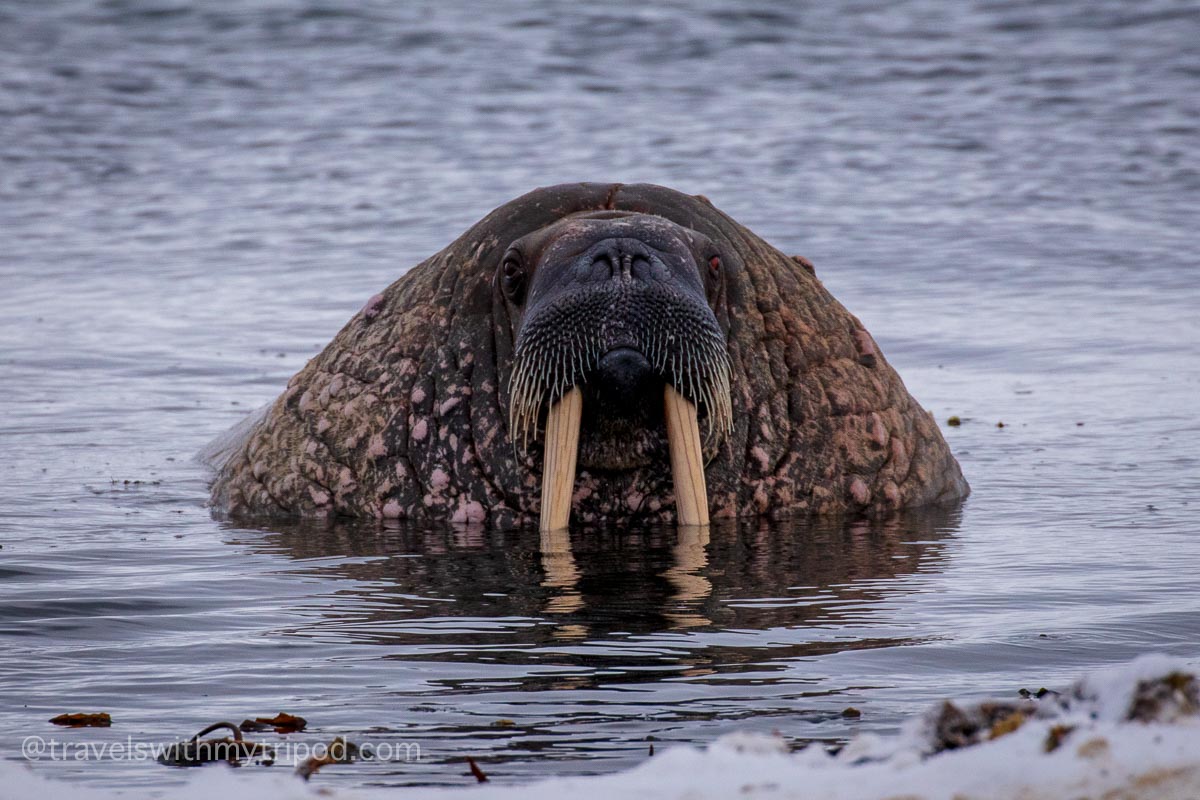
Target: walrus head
point(620, 306)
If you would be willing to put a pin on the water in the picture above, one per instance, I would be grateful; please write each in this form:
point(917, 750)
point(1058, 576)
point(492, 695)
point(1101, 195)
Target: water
point(194, 199)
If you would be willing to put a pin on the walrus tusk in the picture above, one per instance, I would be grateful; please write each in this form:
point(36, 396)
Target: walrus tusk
point(558, 469)
point(687, 460)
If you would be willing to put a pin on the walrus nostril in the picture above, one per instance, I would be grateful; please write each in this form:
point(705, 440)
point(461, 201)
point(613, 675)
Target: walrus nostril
point(641, 269)
point(602, 267)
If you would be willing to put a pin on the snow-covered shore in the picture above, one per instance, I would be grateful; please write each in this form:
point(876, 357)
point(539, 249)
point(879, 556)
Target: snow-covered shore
point(1123, 733)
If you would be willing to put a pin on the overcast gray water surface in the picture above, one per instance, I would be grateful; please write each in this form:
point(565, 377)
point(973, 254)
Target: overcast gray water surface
point(194, 198)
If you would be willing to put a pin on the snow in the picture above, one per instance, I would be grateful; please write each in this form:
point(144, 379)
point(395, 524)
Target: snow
point(1101, 752)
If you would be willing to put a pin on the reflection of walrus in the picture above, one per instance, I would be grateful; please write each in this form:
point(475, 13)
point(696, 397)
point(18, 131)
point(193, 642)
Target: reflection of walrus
point(639, 328)
point(798, 578)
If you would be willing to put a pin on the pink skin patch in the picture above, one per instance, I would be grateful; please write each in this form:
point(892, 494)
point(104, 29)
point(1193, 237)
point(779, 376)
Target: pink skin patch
point(418, 396)
point(866, 348)
point(391, 510)
point(489, 436)
point(760, 499)
point(446, 407)
point(469, 512)
point(879, 433)
point(318, 497)
point(420, 430)
point(323, 424)
point(373, 307)
point(859, 491)
point(842, 402)
point(438, 479)
point(376, 449)
point(724, 512)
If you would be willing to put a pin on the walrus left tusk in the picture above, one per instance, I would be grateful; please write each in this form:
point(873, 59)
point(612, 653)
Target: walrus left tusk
point(558, 467)
point(687, 459)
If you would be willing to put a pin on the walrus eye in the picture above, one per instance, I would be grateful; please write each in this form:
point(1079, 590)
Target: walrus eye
point(714, 266)
point(513, 278)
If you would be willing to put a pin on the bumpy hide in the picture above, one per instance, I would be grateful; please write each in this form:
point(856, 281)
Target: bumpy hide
point(404, 414)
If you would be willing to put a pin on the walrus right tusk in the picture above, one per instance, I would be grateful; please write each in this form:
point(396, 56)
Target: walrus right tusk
point(687, 459)
point(558, 468)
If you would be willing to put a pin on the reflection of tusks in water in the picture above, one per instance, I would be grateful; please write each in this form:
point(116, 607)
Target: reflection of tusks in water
point(558, 564)
point(691, 556)
point(468, 537)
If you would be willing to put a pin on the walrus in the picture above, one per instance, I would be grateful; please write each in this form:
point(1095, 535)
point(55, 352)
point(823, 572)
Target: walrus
point(598, 352)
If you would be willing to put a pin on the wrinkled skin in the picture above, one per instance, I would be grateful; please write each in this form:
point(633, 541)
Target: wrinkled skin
point(406, 413)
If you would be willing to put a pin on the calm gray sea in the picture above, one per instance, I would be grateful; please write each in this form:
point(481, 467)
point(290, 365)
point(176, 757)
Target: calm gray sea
point(194, 197)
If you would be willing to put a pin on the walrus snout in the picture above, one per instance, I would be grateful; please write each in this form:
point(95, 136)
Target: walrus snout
point(618, 306)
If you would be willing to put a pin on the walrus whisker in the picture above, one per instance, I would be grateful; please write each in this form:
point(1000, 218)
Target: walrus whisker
point(699, 371)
